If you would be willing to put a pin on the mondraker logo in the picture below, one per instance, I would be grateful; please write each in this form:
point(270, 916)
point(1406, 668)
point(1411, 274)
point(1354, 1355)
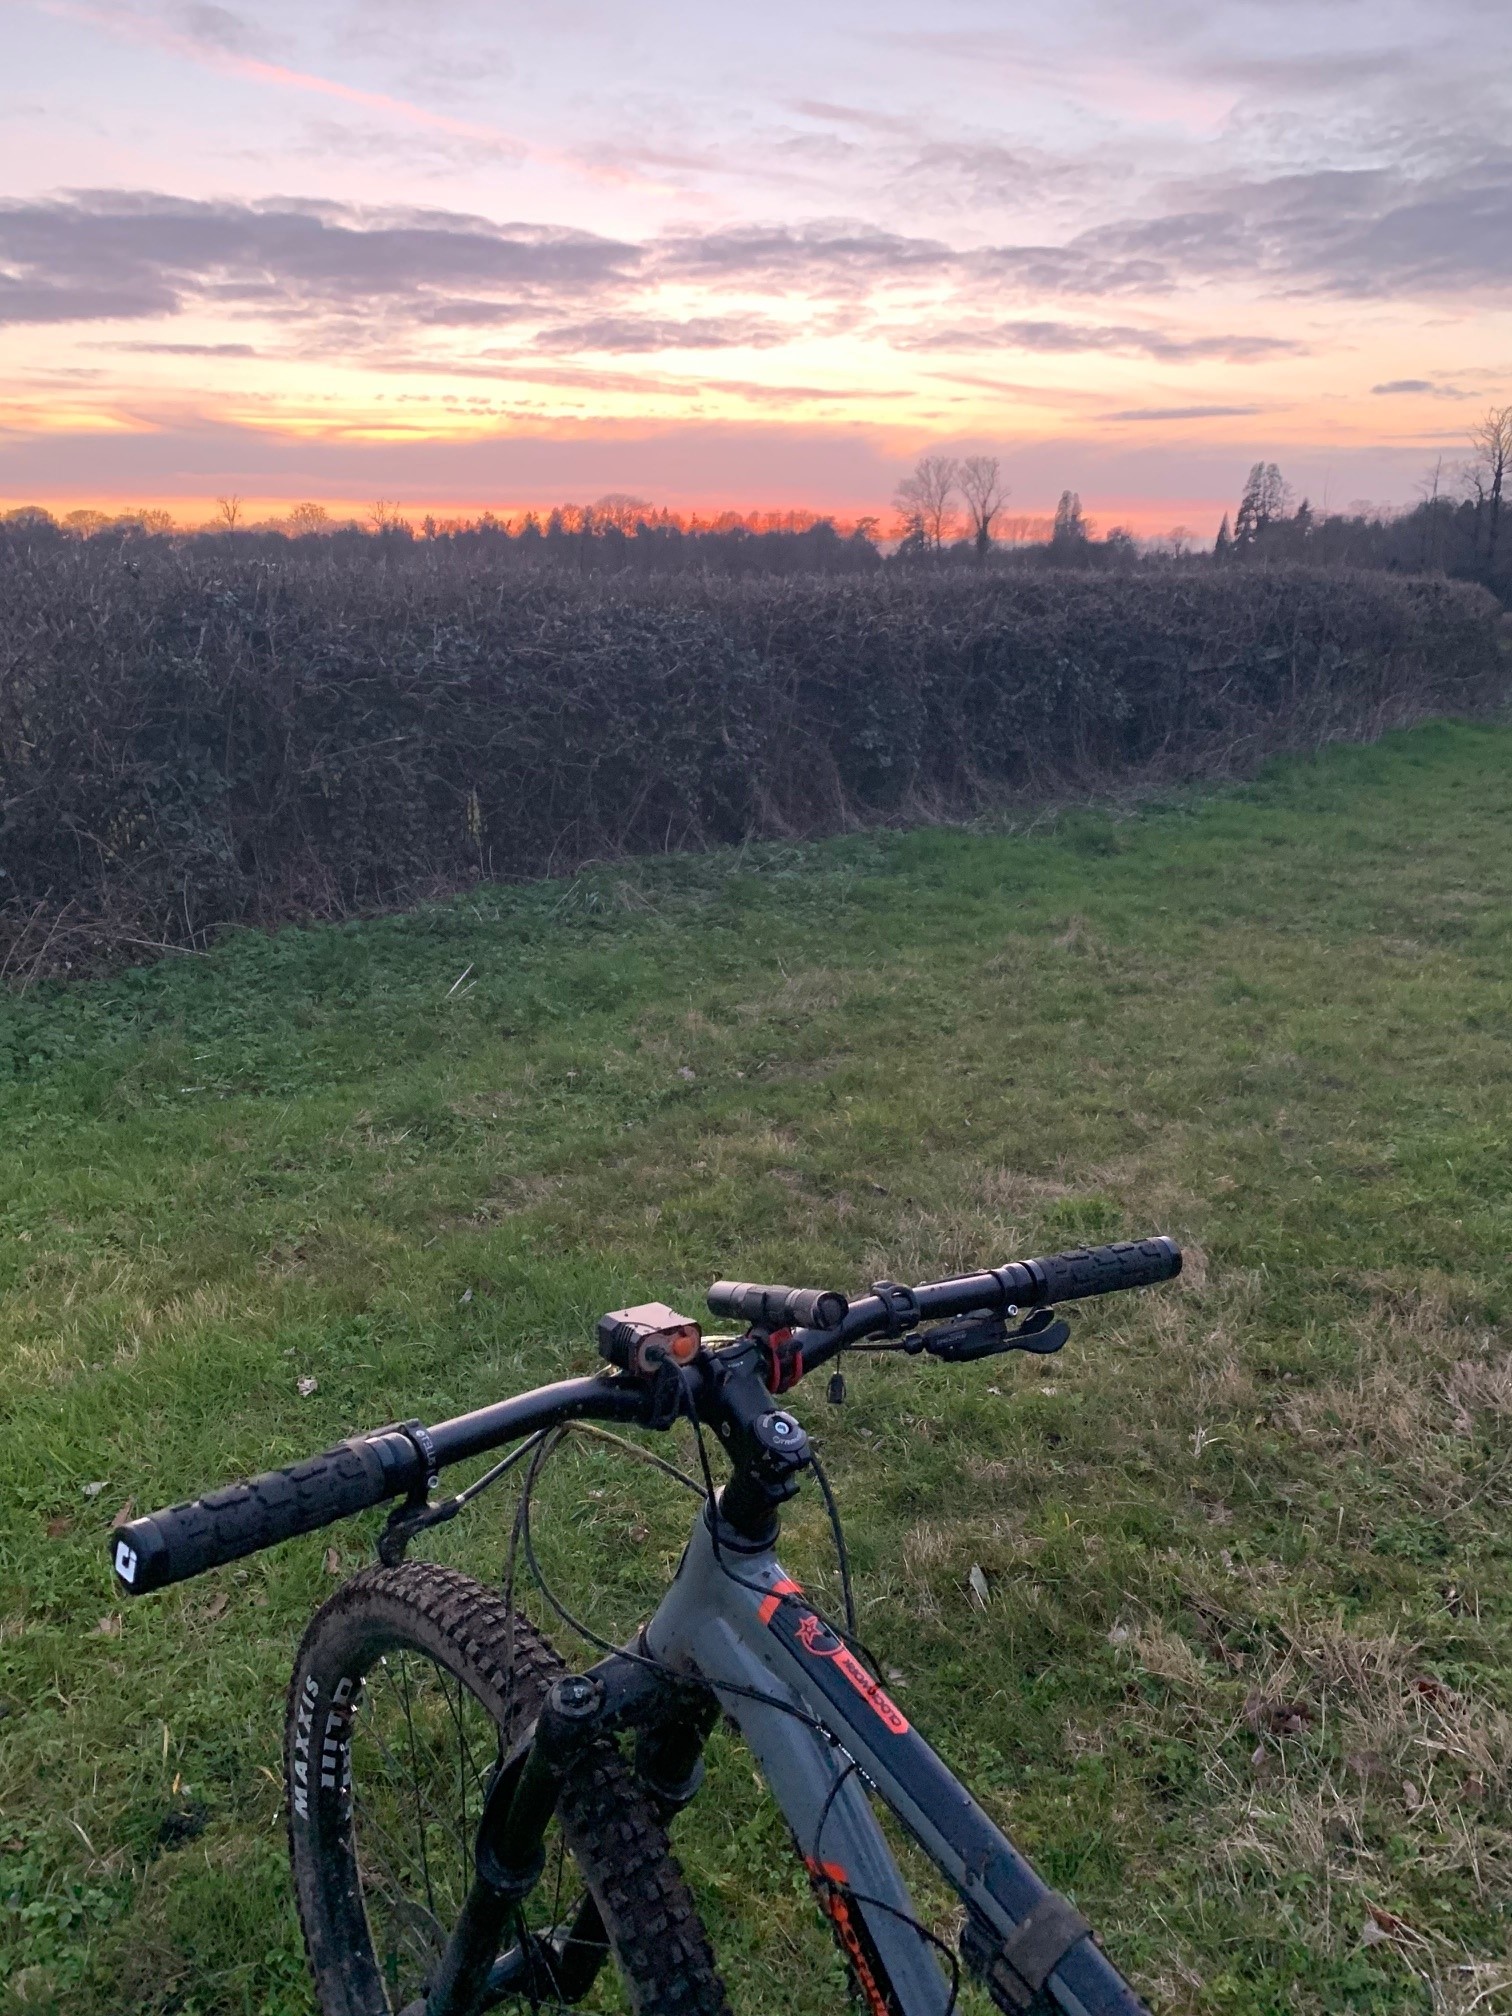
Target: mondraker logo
point(812, 1635)
point(815, 1636)
point(125, 1561)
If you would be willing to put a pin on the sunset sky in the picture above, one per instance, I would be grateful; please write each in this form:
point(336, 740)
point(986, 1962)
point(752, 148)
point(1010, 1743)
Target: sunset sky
point(461, 255)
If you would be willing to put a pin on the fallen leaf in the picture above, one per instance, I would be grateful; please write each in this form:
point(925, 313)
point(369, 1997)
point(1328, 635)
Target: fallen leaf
point(215, 1607)
point(108, 1627)
point(94, 1490)
point(466, 1297)
point(1431, 1689)
point(978, 1582)
point(639, 1533)
point(1365, 1764)
point(1473, 1787)
point(307, 1387)
point(1259, 1760)
point(332, 1561)
point(1281, 1718)
point(1411, 1797)
point(58, 1528)
point(683, 1071)
point(1373, 1935)
point(1388, 1925)
point(123, 1515)
point(896, 1675)
point(1119, 1635)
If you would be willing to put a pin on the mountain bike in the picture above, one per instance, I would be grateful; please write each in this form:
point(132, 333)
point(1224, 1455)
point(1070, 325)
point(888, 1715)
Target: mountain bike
point(473, 1826)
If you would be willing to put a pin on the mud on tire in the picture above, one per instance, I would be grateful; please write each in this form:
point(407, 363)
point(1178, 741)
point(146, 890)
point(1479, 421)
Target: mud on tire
point(458, 1672)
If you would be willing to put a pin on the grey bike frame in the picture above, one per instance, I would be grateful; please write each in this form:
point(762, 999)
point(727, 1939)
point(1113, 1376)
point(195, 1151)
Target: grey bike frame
point(821, 1732)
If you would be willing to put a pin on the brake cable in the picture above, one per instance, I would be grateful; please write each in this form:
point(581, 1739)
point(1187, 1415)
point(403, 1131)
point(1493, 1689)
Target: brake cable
point(522, 1539)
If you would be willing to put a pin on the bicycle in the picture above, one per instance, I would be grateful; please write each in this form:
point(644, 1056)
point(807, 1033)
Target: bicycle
point(476, 1907)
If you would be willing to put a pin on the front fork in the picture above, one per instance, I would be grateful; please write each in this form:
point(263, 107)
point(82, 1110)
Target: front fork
point(508, 1856)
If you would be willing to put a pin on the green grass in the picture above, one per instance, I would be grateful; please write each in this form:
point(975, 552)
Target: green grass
point(1243, 1675)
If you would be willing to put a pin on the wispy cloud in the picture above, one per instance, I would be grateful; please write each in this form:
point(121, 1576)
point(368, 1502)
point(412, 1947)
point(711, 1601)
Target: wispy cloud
point(121, 255)
point(642, 335)
point(184, 349)
point(1067, 338)
point(1422, 386)
point(216, 36)
point(117, 255)
point(828, 255)
point(1367, 232)
point(1163, 413)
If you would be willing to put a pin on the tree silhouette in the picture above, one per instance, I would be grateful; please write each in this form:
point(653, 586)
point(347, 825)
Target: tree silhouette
point(924, 500)
point(1071, 531)
point(985, 493)
point(1264, 503)
point(1491, 447)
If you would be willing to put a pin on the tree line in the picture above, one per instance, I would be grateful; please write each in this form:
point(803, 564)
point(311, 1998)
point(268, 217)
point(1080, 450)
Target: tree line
point(1455, 527)
point(947, 511)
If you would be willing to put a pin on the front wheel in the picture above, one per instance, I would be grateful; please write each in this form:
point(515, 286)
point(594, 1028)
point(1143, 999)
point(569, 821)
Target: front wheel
point(411, 1685)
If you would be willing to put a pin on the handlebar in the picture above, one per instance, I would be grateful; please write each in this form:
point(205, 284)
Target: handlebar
point(184, 1540)
point(405, 1458)
point(1024, 1284)
point(779, 1308)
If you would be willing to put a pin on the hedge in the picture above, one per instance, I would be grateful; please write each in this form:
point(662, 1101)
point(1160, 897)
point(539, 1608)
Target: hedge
point(188, 739)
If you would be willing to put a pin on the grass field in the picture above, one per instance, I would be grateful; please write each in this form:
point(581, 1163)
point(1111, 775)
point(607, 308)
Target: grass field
point(1243, 1680)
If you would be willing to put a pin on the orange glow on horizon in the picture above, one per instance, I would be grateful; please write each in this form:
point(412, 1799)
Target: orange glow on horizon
point(1198, 517)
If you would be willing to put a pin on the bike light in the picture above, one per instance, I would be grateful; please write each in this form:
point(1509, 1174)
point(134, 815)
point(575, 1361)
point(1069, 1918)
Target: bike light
point(637, 1339)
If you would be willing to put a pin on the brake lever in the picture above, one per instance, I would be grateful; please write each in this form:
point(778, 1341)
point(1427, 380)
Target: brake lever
point(986, 1336)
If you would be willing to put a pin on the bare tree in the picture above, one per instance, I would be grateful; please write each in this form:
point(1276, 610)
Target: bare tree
point(924, 499)
point(985, 493)
point(1491, 446)
point(1430, 490)
point(307, 518)
point(621, 511)
point(228, 510)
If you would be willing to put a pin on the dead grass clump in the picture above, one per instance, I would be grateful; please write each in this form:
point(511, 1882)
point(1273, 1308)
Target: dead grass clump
point(1478, 1385)
point(1388, 1711)
point(1168, 1656)
point(1413, 1386)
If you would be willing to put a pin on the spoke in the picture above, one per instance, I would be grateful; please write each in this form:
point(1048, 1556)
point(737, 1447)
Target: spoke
point(461, 1775)
point(430, 1895)
point(400, 1923)
point(412, 1741)
point(376, 1737)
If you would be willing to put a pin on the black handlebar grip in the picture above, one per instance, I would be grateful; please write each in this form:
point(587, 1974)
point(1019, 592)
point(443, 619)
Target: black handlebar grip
point(184, 1540)
point(779, 1308)
point(1105, 1270)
